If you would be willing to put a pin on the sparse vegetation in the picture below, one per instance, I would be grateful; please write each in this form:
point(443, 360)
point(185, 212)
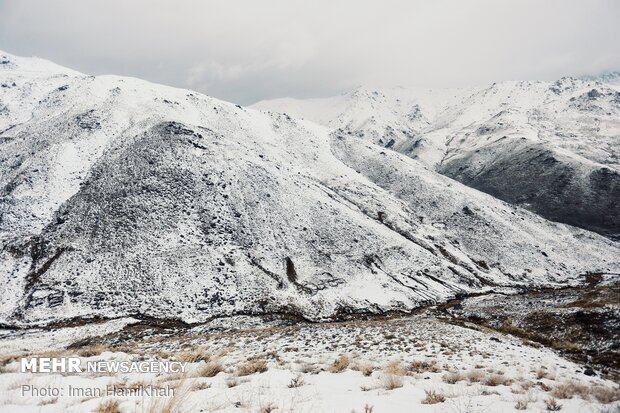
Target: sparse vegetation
point(365, 369)
point(268, 408)
point(452, 377)
point(395, 368)
point(201, 385)
point(433, 397)
point(606, 395)
point(194, 356)
point(496, 380)
point(422, 366)
point(92, 350)
point(252, 366)
point(108, 406)
point(232, 382)
point(475, 376)
point(392, 381)
point(569, 390)
point(296, 382)
point(340, 364)
point(211, 369)
point(172, 404)
point(521, 404)
point(552, 405)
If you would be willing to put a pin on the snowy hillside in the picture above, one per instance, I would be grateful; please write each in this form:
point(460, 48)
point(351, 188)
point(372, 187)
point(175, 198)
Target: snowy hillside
point(120, 197)
point(553, 148)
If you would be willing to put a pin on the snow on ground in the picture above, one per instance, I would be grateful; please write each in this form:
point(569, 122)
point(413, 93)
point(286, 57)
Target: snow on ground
point(383, 365)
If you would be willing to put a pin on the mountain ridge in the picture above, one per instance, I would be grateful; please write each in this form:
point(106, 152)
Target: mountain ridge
point(122, 197)
point(461, 133)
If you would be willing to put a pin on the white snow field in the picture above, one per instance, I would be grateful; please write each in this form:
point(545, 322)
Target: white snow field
point(411, 364)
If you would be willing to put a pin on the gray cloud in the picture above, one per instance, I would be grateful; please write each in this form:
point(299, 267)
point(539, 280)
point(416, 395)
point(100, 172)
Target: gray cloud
point(244, 51)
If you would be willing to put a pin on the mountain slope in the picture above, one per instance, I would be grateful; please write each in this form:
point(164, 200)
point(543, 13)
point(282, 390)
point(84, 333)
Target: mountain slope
point(121, 197)
point(553, 148)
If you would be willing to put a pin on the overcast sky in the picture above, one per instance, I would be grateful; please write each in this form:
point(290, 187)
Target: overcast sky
point(245, 51)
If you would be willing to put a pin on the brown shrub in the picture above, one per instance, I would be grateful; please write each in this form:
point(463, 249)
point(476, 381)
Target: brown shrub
point(606, 395)
point(108, 406)
point(496, 380)
point(568, 390)
point(268, 408)
point(93, 350)
point(211, 369)
point(475, 376)
point(452, 377)
point(391, 382)
point(432, 397)
point(340, 364)
point(194, 356)
point(232, 382)
point(552, 405)
point(367, 370)
point(423, 366)
point(296, 382)
point(543, 386)
point(395, 368)
point(201, 386)
point(251, 367)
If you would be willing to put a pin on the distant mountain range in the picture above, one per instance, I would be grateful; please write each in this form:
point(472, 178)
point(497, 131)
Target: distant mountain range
point(552, 148)
point(121, 197)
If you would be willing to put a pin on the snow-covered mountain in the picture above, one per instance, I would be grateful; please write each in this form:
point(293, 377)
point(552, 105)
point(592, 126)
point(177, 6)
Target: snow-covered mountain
point(121, 197)
point(553, 148)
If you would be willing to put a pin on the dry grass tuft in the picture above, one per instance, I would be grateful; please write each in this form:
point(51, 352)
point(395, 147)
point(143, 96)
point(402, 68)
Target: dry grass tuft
point(569, 390)
point(201, 386)
point(211, 369)
point(172, 404)
point(108, 406)
point(475, 376)
point(496, 380)
point(268, 408)
point(452, 377)
point(391, 382)
point(232, 382)
point(251, 367)
point(194, 356)
point(395, 368)
point(521, 405)
point(432, 397)
point(365, 369)
point(296, 382)
point(93, 350)
point(423, 366)
point(552, 405)
point(340, 364)
point(606, 395)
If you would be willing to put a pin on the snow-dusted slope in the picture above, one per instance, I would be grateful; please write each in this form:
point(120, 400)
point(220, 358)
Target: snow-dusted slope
point(553, 148)
point(121, 197)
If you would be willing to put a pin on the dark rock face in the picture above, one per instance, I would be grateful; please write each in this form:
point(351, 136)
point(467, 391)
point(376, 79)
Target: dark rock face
point(543, 181)
point(589, 371)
